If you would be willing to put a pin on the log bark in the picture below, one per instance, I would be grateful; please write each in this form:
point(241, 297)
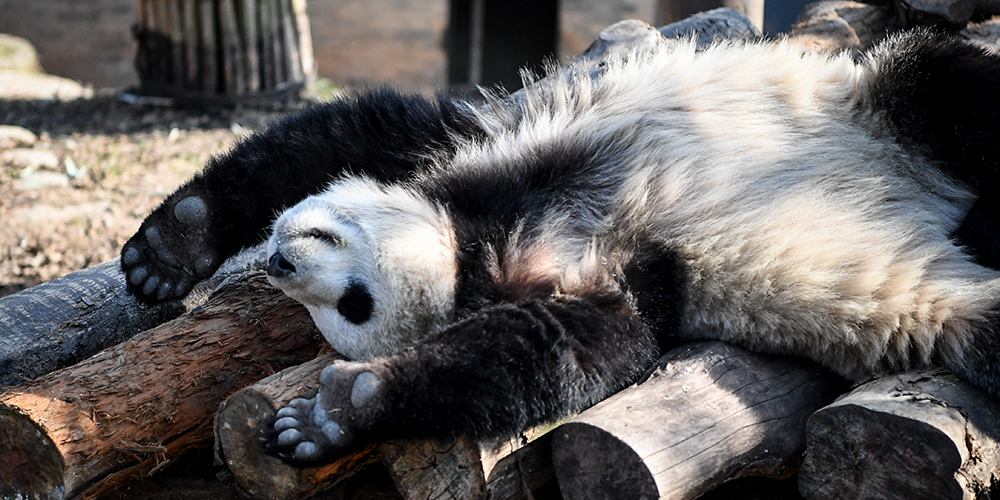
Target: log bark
point(834, 25)
point(721, 23)
point(244, 417)
point(709, 413)
point(127, 410)
point(64, 321)
point(463, 469)
point(916, 435)
point(624, 37)
point(950, 13)
point(673, 11)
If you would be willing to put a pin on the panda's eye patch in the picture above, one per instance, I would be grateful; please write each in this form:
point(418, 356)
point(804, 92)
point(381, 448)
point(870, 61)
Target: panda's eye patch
point(326, 236)
point(356, 304)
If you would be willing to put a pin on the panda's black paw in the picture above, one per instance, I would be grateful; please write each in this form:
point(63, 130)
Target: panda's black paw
point(171, 251)
point(319, 429)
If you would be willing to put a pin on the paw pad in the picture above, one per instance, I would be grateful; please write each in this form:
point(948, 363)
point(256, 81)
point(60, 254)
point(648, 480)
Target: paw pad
point(365, 387)
point(191, 211)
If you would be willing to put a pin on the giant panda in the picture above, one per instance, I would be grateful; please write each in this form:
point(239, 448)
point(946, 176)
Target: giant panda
point(490, 267)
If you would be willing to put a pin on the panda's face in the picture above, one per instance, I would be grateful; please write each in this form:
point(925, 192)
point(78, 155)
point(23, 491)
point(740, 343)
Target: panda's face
point(374, 265)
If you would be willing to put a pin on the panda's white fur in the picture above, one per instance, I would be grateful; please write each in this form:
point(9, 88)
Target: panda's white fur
point(495, 266)
point(805, 231)
point(400, 245)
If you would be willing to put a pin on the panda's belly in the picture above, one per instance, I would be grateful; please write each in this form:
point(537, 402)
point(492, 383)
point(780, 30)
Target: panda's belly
point(861, 287)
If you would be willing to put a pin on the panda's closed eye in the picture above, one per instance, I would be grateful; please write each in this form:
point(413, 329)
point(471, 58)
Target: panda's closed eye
point(320, 234)
point(356, 304)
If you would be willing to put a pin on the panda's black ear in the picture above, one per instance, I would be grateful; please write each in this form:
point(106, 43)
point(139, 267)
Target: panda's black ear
point(356, 304)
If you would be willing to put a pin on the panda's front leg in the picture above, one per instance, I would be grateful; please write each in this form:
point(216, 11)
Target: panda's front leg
point(339, 416)
point(505, 369)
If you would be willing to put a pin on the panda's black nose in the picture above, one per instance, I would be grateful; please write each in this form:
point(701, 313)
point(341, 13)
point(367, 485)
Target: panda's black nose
point(278, 266)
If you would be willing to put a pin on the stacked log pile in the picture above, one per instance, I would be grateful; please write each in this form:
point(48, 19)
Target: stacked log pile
point(707, 414)
point(223, 50)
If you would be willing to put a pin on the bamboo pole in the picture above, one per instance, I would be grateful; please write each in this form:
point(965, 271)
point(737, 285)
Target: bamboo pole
point(267, 41)
point(305, 41)
point(191, 65)
point(280, 73)
point(251, 44)
point(208, 63)
point(291, 42)
point(176, 27)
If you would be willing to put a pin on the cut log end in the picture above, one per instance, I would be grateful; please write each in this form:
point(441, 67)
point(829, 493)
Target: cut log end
point(30, 463)
point(844, 439)
point(244, 418)
point(240, 424)
point(582, 455)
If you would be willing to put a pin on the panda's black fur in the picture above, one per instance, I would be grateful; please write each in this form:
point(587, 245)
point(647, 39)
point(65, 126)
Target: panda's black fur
point(494, 267)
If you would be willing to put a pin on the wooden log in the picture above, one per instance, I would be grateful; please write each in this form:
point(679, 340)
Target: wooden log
point(514, 471)
point(709, 413)
point(463, 469)
point(721, 23)
point(244, 417)
point(674, 11)
point(834, 25)
point(950, 13)
point(66, 320)
point(916, 435)
point(420, 468)
point(125, 411)
point(63, 321)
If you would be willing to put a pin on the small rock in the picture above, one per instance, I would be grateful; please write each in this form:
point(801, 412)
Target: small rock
point(19, 136)
point(21, 85)
point(30, 158)
point(41, 179)
point(17, 54)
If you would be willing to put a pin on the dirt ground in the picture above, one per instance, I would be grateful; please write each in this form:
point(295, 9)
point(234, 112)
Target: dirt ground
point(114, 163)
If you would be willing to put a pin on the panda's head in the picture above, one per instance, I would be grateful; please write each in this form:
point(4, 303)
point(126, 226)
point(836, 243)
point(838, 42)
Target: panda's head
point(374, 265)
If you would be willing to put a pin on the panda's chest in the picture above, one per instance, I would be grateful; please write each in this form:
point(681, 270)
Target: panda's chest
point(365, 341)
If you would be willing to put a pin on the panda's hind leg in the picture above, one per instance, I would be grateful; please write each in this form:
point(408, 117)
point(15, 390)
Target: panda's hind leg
point(942, 93)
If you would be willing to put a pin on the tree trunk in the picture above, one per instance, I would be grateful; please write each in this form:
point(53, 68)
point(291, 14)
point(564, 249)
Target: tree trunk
point(709, 413)
point(126, 411)
point(916, 435)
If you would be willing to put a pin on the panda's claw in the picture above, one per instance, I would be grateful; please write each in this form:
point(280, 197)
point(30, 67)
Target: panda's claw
point(342, 412)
